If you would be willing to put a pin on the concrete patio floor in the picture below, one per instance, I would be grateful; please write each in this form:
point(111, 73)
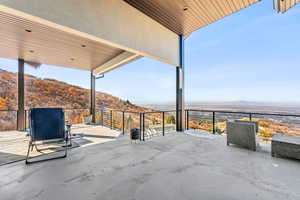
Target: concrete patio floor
point(176, 167)
point(14, 144)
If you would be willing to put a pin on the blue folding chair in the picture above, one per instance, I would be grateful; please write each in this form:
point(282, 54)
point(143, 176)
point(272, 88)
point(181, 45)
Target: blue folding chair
point(47, 125)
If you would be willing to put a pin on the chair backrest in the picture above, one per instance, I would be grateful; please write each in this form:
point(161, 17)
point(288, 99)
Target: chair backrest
point(47, 123)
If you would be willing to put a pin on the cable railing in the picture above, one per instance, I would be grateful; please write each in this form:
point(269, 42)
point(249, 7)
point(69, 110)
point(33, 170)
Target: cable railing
point(149, 123)
point(214, 121)
point(114, 119)
point(158, 123)
point(8, 120)
point(76, 116)
point(118, 119)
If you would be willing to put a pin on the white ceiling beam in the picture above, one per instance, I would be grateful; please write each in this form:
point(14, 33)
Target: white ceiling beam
point(117, 61)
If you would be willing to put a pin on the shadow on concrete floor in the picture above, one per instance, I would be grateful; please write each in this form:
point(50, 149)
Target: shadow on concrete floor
point(6, 158)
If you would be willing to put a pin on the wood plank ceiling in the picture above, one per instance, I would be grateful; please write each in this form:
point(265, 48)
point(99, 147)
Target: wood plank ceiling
point(36, 42)
point(185, 16)
point(283, 5)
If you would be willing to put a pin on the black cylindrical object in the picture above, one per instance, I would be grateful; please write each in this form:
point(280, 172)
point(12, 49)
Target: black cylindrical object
point(135, 134)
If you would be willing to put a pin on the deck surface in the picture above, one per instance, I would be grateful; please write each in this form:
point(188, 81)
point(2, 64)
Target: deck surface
point(14, 144)
point(175, 167)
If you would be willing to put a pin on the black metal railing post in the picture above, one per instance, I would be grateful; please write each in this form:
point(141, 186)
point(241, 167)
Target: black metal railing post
point(187, 120)
point(214, 121)
point(123, 122)
point(17, 119)
point(163, 123)
point(111, 119)
point(25, 119)
point(102, 117)
point(143, 126)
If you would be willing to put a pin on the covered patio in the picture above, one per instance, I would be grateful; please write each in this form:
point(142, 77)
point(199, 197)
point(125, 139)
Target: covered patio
point(99, 36)
point(37, 32)
point(177, 166)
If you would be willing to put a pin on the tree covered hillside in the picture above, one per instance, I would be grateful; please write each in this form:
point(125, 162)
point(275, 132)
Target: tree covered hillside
point(53, 93)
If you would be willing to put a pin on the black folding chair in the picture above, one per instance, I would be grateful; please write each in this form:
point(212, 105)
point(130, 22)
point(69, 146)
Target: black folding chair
point(47, 125)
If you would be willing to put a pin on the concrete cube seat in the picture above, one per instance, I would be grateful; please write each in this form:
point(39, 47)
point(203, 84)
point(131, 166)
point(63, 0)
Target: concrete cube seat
point(286, 146)
point(242, 133)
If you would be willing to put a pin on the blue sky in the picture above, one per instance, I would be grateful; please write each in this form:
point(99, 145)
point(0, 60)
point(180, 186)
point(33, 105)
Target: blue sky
point(253, 55)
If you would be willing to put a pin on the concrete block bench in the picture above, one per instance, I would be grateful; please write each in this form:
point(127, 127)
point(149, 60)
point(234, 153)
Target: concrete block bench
point(241, 133)
point(286, 146)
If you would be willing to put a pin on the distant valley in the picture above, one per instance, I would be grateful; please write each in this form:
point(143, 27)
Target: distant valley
point(242, 106)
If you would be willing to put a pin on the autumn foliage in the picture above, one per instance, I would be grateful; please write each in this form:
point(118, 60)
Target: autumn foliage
point(267, 127)
point(53, 93)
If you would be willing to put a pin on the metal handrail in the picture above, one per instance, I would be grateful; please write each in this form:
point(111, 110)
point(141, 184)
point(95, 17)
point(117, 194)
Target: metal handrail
point(250, 114)
point(160, 111)
point(242, 112)
point(163, 113)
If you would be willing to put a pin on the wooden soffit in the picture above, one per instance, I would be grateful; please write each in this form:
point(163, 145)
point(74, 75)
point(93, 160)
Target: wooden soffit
point(282, 6)
point(185, 16)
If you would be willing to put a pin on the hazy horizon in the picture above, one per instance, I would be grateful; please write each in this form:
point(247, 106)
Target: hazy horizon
point(238, 102)
point(213, 101)
point(242, 106)
point(285, 103)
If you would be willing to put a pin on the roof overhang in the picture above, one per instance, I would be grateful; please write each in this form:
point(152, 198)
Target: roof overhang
point(82, 34)
point(281, 6)
point(186, 16)
point(101, 35)
point(37, 40)
point(121, 59)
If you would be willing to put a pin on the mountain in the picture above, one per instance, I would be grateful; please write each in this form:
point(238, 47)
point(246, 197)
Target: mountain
point(53, 93)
